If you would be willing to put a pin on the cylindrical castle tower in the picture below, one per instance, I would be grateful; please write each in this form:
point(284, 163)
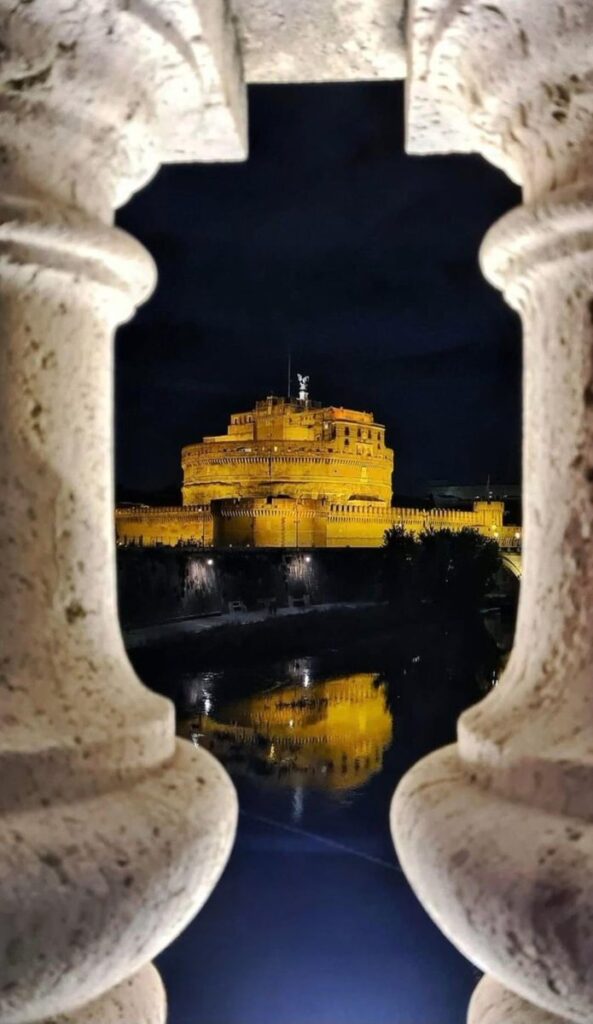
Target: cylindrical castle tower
point(291, 448)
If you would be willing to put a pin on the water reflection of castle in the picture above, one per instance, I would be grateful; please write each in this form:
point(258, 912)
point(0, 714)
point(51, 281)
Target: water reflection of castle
point(329, 734)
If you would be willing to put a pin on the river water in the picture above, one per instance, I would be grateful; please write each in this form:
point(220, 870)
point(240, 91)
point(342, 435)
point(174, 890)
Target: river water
point(313, 921)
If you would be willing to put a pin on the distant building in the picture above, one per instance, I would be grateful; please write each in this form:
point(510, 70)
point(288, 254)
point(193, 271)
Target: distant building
point(443, 493)
point(293, 473)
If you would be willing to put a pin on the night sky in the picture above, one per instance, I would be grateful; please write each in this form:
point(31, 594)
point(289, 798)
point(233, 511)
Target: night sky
point(333, 243)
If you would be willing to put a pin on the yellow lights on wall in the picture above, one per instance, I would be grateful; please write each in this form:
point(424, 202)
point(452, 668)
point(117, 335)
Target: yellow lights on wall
point(278, 479)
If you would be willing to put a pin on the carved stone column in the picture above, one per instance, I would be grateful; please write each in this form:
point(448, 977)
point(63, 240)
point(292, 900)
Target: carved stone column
point(496, 832)
point(113, 833)
point(491, 1003)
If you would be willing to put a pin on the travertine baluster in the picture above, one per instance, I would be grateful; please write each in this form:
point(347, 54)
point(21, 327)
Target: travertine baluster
point(495, 833)
point(113, 833)
point(491, 1003)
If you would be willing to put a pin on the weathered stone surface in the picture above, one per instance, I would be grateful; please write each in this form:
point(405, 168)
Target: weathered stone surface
point(493, 1004)
point(138, 1000)
point(507, 79)
point(113, 833)
point(321, 40)
point(507, 883)
point(95, 888)
point(117, 89)
point(496, 833)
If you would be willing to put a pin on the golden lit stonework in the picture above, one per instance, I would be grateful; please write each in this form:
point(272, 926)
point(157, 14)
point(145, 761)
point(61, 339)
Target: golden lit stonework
point(294, 473)
point(291, 449)
point(326, 735)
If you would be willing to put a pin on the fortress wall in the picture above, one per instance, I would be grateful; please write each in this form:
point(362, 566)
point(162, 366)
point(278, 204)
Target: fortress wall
point(486, 517)
point(286, 523)
point(148, 527)
point(293, 474)
point(271, 524)
point(357, 525)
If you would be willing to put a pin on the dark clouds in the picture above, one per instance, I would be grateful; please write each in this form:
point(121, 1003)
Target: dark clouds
point(331, 242)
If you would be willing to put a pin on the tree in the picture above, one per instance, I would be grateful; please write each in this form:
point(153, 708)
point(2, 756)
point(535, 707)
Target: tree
point(399, 575)
point(443, 568)
point(456, 568)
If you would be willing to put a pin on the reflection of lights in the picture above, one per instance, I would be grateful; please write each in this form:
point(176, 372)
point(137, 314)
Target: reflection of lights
point(300, 740)
point(207, 705)
point(298, 803)
point(306, 677)
point(195, 736)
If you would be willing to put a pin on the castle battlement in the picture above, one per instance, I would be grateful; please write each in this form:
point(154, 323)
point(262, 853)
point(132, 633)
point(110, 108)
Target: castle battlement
point(291, 448)
point(294, 473)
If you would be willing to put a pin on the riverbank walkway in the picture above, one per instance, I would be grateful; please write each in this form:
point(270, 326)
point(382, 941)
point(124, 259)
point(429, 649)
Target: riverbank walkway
point(141, 635)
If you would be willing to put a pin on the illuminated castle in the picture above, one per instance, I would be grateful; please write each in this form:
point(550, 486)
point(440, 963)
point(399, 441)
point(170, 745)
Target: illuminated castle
point(292, 473)
point(328, 735)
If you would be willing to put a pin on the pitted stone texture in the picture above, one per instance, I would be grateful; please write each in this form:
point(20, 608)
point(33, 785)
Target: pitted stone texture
point(321, 40)
point(92, 890)
point(75, 720)
point(96, 94)
point(493, 1004)
point(532, 739)
point(508, 884)
point(113, 834)
point(496, 834)
point(509, 79)
point(138, 1000)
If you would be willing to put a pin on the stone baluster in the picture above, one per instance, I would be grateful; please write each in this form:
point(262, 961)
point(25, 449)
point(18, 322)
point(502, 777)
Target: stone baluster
point(113, 833)
point(495, 833)
point(321, 40)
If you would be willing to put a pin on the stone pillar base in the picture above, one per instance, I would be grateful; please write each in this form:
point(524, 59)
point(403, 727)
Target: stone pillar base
point(137, 1000)
point(492, 1003)
point(508, 884)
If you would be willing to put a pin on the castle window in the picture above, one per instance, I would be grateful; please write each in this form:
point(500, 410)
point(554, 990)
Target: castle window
point(347, 431)
point(346, 441)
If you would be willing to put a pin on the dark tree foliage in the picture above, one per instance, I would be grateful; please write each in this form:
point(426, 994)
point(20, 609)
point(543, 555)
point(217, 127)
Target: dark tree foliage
point(446, 569)
point(400, 567)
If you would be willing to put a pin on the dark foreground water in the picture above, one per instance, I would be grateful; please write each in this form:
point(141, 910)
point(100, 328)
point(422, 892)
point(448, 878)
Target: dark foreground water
point(313, 921)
